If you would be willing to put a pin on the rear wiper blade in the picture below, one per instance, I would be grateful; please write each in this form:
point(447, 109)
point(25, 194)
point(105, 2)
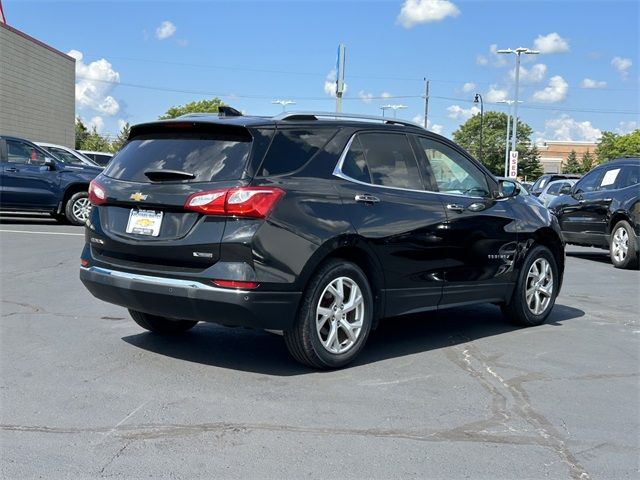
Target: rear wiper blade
point(168, 175)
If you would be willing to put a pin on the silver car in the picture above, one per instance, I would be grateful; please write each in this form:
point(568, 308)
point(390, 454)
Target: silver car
point(555, 188)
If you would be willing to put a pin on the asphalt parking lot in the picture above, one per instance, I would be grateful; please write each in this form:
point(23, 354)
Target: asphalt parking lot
point(85, 393)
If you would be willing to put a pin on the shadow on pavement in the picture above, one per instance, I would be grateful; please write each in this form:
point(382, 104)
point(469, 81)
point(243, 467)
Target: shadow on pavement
point(601, 256)
point(261, 352)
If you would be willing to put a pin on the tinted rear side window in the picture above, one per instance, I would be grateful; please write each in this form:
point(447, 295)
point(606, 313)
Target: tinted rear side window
point(292, 149)
point(208, 156)
point(391, 160)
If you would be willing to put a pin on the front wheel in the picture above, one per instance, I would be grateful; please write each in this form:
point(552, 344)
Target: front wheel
point(162, 325)
point(536, 289)
point(77, 208)
point(334, 318)
point(623, 246)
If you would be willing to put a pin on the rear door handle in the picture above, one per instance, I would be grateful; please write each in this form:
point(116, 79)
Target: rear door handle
point(366, 198)
point(455, 207)
point(11, 169)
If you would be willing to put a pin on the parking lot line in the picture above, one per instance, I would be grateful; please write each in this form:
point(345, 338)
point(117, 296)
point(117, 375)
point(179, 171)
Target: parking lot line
point(41, 233)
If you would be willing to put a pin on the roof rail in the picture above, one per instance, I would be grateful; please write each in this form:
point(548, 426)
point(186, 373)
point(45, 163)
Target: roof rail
point(336, 116)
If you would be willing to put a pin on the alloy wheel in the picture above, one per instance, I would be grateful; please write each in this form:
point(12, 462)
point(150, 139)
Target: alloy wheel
point(620, 244)
point(539, 286)
point(340, 315)
point(81, 209)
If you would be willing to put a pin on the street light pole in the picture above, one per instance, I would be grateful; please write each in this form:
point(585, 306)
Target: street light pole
point(518, 51)
point(475, 100)
point(506, 150)
point(395, 109)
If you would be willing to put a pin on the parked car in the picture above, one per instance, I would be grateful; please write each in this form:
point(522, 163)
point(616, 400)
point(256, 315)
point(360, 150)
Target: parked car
point(33, 179)
point(101, 158)
point(66, 154)
point(313, 225)
point(541, 182)
point(603, 210)
point(527, 185)
point(555, 188)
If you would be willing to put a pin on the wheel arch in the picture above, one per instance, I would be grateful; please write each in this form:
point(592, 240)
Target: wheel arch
point(548, 237)
point(353, 249)
point(615, 218)
point(70, 191)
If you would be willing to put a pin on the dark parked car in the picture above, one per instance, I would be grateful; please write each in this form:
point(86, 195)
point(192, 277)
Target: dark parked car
point(313, 226)
point(542, 182)
point(101, 158)
point(33, 179)
point(603, 210)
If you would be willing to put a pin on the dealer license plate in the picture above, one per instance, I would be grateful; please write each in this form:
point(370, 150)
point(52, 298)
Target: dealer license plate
point(144, 222)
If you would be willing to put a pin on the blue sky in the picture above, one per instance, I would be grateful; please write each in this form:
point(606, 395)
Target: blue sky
point(138, 58)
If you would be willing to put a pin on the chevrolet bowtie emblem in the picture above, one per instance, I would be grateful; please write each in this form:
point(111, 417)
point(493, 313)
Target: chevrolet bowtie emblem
point(137, 197)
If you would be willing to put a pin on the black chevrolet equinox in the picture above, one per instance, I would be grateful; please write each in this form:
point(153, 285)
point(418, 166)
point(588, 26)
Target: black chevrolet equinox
point(313, 225)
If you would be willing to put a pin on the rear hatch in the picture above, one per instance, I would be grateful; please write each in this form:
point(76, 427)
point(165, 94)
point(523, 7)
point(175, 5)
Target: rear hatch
point(142, 197)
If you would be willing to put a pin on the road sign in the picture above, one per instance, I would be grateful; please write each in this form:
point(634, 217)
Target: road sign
point(513, 164)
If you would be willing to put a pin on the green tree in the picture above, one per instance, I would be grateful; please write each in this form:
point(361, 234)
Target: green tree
point(203, 106)
point(81, 133)
point(613, 145)
point(587, 162)
point(494, 134)
point(572, 165)
point(529, 166)
point(94, 141)
point(122, 137)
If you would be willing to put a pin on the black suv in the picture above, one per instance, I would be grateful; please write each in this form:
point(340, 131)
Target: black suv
point(603, 210)
point(315, 225)
point(537, 188)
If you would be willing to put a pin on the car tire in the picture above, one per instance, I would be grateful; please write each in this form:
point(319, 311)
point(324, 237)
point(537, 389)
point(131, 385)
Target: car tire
point(330, 333)
point(77, 208)
point(161, 325)
point(536, 289)
point(623, 246)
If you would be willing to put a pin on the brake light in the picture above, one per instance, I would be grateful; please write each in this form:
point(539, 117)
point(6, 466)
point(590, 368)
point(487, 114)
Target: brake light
point(236, 284)
point(97, 193)
point(254, 202)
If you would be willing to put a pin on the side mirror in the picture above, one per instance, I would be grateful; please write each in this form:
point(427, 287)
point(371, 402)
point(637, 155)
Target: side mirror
point(565, 190)
point(508, 188)
point(49, 163)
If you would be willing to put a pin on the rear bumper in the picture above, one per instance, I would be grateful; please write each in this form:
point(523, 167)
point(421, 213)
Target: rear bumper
point(191, 299)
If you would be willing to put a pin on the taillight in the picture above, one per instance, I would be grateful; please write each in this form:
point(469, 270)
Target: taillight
point(236, 284)
point(254, 202)
point(97, 193)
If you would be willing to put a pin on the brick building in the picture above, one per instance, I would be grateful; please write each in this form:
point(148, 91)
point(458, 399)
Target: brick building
point(554, 153)
point(37, 89)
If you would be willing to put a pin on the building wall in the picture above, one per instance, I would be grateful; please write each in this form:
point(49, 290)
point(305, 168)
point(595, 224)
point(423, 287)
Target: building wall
point(37, 89)
point(553, 154)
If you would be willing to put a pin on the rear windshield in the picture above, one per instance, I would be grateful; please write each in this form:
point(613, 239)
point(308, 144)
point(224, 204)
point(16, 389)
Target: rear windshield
point(206, 156)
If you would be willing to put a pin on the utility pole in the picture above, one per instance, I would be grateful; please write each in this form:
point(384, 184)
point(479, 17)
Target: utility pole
point(340, 63)
point(426, 102)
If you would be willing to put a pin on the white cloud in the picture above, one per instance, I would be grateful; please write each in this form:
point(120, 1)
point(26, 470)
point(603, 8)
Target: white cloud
point(533, 75)
point(468, 87)
point(330, 84)
point(565, 128)
point(414, 12)
point(494, 58)
point(366, 97)
point(556, 91)
point(458, 113)
point(589, 83)
point(385, 95)
point(551, 43)
point(435, 128)
point(622, 65)
point(627, 127)
point(121, 123)
point(495, 94)
point(165, 30)
point(97, 122)
point(94, 82)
